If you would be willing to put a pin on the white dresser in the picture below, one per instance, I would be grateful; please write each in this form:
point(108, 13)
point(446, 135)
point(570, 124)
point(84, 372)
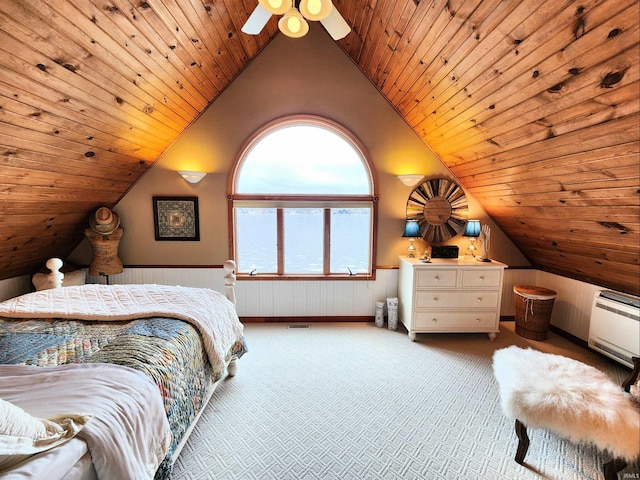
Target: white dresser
point(450, 295)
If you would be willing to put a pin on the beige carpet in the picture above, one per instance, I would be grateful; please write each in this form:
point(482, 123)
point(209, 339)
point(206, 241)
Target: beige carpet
point(352, 401)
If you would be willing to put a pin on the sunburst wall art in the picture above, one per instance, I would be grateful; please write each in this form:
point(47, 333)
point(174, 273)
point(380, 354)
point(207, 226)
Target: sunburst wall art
point(440, 207)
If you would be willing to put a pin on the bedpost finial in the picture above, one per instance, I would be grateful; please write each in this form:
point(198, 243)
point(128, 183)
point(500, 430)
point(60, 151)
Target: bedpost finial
point(55, 277)
point(229, 266)
point(54, 264)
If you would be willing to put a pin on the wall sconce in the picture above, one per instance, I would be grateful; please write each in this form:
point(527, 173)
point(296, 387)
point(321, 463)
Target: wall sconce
point(472, 230)
point(410, 179)
point(192, 177)
point(411, 231)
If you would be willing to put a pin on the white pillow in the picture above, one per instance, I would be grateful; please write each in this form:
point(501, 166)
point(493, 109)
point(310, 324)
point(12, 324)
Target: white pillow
point(75, 278)
point(22, 435)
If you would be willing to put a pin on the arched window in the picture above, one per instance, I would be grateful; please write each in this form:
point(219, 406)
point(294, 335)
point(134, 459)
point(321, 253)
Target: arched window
point(303, 203)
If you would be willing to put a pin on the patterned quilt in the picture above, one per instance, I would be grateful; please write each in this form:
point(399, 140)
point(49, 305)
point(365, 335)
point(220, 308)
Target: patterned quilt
point(167, 350)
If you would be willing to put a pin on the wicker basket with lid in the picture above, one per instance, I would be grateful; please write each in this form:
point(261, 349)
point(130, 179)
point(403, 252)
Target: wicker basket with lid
point(533, 311)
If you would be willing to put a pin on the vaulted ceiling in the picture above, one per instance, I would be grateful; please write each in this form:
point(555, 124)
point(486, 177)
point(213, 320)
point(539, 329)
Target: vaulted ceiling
point(534, 106)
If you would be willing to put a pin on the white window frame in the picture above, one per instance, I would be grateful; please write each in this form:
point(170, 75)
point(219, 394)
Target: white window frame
point(284, 201)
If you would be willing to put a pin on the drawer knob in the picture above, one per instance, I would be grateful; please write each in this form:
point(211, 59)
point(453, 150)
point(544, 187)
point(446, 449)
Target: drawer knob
point(435, 299)
point(434, 320)
point(481, 277)
point(477, 320)
point(437, 277)
point(479, 299)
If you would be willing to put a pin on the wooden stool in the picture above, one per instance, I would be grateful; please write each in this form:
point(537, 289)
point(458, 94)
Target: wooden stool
point(573, 400)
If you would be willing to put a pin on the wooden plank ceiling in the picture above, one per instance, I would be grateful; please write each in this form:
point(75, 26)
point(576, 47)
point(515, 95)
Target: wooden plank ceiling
point(533, 105)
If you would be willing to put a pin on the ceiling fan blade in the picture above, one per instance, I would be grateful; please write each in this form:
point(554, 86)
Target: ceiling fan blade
point(256, 21)
point(336, 25)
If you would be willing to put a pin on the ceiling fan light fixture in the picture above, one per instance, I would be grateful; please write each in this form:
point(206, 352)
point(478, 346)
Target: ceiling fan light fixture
point(315, 10)
point(292, 24)
point(276, 7)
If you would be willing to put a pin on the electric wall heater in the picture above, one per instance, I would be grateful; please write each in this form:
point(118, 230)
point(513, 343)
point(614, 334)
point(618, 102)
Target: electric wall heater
point(614, 329)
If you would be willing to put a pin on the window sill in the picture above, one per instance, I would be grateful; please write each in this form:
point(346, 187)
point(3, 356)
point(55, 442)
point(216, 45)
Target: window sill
point(309, 278)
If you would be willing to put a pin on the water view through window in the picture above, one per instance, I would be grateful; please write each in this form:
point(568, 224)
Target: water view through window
point(303, 202)
point(303, 240)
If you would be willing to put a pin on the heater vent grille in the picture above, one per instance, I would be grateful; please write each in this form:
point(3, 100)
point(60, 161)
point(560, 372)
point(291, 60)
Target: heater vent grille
point(614, 327)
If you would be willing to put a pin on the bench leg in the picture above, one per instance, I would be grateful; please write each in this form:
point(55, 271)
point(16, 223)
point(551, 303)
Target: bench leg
point(612, 467)
point(523, 443)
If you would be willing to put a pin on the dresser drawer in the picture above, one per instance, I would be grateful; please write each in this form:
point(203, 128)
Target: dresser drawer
point(456, 299)
point(464, 321)
point(429, 277)
point(475, 277)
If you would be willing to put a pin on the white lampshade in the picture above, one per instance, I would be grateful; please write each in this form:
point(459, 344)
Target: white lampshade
point(315, 9)
point(293, 25)
point(191, 176)
point(276, 7)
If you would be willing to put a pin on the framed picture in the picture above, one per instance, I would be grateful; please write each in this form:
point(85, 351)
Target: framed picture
point(176, 218)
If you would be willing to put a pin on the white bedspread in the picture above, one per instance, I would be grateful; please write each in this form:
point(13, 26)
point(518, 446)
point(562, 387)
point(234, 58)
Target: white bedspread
point(209, 311)
point(128, 435)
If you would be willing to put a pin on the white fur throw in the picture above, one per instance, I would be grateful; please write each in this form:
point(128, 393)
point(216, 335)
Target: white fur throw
point(567, 397)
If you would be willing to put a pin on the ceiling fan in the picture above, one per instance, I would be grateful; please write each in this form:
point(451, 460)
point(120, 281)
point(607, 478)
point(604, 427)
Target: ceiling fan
point(294, 21)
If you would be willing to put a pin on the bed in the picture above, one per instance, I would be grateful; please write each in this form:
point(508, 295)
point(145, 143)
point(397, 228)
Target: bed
point(129, 367)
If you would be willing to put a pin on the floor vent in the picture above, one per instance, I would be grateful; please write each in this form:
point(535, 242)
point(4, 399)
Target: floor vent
point(298, 325)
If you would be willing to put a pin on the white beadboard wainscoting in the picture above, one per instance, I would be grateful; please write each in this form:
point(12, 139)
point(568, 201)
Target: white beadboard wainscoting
point(572, 306)
point(277, 298)
point(571, 310)
point(255, 298)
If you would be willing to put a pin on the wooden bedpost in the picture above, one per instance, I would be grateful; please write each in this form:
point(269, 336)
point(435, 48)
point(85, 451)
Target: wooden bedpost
point(230, 280)
point(56, 276)
point(229, 283)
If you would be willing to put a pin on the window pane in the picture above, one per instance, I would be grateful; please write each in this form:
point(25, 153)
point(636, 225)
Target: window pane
point(257, 240)
point(303, 240)
point(286, 182)
point(303, 159)
point(350, 239)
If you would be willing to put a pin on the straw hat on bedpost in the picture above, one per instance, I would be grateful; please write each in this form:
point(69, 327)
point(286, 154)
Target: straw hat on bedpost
point(104, 236)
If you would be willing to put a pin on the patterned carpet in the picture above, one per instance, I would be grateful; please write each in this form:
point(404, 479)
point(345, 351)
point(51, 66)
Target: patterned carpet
point(352, 401)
